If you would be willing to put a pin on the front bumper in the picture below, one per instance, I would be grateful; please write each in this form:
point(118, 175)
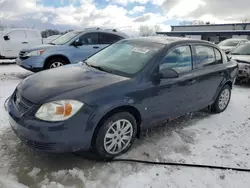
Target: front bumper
point(56, 137)
point(34, 63)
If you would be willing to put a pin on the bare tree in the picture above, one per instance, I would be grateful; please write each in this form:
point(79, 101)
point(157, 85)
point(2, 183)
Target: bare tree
point(146, 30)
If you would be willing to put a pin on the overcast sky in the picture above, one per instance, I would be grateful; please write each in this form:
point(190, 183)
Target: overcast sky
point(126, 15)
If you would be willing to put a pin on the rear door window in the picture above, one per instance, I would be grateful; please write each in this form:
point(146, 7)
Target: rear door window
point(89, 39)
point(205, 56)
point(178, 59)
point(106, 38)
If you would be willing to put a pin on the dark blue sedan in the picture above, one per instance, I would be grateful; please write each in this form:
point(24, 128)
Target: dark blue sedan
point(104, 103)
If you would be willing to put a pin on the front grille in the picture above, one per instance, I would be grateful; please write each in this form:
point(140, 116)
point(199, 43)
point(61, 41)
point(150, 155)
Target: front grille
point(40, 145)
point(22, 55)
point(22, 104)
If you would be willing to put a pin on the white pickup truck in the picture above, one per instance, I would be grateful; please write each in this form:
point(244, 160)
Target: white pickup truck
point(12, 41)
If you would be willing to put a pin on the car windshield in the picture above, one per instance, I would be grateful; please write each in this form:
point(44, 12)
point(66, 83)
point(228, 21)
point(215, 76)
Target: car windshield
point(229, 43)
point(243, 49)
point(65, 38)
point(125, 57)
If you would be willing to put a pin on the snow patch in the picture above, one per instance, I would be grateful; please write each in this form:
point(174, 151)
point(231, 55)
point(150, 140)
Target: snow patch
point(34, 172)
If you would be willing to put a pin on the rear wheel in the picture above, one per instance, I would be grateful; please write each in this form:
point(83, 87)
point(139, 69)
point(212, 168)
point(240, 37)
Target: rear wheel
point(222, 100)
point(55, 62)
point(115, 136)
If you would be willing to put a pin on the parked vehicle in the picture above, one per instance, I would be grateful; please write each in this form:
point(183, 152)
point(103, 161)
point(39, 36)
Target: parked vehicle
point(229, 44)
point(69, 48)
point(50, 39)
point(103, 103)
point(14, 40)
point(242, 55)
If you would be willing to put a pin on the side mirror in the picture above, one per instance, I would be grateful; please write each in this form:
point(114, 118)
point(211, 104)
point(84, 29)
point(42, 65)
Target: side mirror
point(168, 73)
point(6, 37)
point(77, 43)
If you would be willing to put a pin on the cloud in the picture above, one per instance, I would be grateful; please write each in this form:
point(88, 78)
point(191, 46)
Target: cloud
point(79, 14)
point(137, 9)
point(126, 2)
point(217, 11)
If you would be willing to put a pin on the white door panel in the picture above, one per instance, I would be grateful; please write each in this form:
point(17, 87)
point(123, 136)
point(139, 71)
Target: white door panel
point(16, 42)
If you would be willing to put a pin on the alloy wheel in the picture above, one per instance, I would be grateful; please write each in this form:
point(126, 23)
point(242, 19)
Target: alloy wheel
point(224, 99)
point(56, 64)
point(118, 136)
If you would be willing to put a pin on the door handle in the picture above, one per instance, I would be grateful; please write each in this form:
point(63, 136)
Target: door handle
point(191, 82)
point(95, 47)
point(24, 42)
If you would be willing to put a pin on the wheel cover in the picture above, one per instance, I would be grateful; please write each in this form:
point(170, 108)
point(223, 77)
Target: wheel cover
point(224, 99)
point(118, 136)
point(56, 64)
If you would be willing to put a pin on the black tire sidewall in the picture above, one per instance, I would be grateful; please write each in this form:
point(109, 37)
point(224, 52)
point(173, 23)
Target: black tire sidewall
point(215, 106)
point(98, 146)
point(54, 60)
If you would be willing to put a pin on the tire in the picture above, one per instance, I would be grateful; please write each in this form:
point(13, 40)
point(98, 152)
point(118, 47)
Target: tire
point(218, 105)
point(55, 61)
point(106, 137)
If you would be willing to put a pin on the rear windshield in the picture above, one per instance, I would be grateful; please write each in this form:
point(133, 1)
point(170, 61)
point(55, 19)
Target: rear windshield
point(243, 49)
point(229, 43)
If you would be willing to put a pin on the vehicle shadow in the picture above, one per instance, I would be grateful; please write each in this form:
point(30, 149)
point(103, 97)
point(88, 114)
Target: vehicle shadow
point(154, 143)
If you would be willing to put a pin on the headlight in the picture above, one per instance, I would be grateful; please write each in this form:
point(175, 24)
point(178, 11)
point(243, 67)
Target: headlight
point(35, 53)
point(58, 110)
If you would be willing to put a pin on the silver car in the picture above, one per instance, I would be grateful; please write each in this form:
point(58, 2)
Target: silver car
point(230, 44)
point(70, 48)
point(242, 55)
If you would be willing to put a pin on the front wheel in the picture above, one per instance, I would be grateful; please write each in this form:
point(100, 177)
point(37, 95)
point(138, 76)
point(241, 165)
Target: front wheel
point(222, 100)
point(115, 136)
point(55, 62)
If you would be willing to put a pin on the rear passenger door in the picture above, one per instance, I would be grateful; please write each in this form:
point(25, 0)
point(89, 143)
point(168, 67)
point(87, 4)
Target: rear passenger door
point(211, 71)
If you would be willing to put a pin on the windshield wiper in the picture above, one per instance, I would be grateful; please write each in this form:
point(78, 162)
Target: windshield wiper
point(98, 67)
point(51, 43)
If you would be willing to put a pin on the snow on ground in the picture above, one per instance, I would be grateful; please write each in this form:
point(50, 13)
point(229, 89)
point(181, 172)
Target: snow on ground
point(221, 139)
point(7, 61)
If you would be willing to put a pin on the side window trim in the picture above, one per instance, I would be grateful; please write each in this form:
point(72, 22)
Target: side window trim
point(220, 55)
point(177, 46)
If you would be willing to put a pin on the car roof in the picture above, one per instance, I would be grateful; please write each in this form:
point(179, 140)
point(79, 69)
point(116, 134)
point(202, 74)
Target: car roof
point(167, 40)
point(109, 31)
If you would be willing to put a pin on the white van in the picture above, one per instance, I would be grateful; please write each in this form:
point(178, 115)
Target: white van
point(12, 41)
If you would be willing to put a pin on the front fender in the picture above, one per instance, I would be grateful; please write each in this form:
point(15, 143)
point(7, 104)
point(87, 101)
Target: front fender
point(103, 110)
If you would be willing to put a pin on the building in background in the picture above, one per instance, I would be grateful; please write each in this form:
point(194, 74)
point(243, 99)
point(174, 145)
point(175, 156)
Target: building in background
point(210, 32)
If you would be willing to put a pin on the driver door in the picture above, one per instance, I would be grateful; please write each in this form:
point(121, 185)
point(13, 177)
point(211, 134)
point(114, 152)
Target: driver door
point(87, 46)
point(173, 97)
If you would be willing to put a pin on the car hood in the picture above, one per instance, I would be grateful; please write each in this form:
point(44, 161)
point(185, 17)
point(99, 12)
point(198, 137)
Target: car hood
point(40, 47)
point(45, 85)
point(241, 58)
